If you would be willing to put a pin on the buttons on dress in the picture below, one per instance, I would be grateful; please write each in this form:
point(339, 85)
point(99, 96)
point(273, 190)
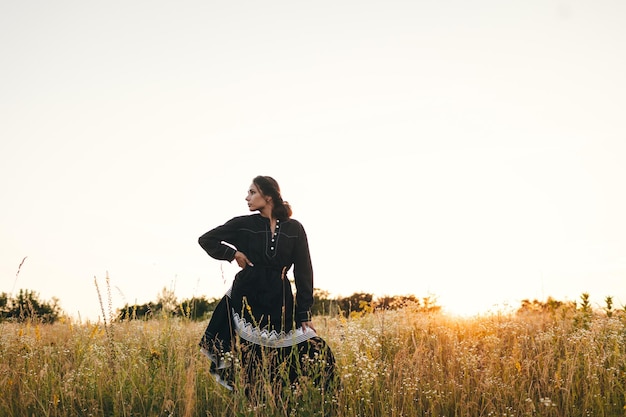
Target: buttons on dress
point(274, 236)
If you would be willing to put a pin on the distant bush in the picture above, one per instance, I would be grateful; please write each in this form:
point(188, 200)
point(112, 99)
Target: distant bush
point(195, 308)
point(362, 303)
point(425, 305)
point(28, 306)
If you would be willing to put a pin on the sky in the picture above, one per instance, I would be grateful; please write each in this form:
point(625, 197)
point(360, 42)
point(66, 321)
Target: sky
point(468, 151)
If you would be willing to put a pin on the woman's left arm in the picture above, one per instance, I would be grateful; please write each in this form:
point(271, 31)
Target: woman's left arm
point(303, 275)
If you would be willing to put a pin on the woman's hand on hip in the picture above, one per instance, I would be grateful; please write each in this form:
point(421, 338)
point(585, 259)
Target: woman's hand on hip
point(242, 260)
point(307, 324)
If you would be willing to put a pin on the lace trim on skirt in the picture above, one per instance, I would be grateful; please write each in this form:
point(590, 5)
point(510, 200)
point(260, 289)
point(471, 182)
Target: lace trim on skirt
point(270, 338)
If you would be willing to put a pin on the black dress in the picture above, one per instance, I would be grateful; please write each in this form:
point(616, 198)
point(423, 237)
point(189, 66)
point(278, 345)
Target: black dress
point(259, 311)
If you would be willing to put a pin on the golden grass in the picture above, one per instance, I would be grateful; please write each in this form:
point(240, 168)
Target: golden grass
point(393, 363)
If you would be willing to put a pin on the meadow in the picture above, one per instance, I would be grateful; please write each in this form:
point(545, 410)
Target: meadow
point(395, 363)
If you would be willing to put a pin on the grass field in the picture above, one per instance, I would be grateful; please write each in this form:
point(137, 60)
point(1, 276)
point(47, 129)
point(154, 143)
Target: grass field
point(391, 363)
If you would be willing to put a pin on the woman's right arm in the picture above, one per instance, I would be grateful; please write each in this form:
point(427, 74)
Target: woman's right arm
point(212, 240)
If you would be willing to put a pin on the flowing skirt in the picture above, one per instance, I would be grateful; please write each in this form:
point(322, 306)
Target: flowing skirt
point(242, 351)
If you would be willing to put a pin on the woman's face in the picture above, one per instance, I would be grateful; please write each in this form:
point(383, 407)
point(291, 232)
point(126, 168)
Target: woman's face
point(256, 200)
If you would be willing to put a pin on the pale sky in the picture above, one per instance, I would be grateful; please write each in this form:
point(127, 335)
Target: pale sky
point(471, 151)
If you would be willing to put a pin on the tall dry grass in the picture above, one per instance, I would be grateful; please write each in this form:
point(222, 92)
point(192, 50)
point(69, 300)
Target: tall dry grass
point(391, 363)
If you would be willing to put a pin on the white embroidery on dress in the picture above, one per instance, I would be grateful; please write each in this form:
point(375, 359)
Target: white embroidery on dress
point(271, 338)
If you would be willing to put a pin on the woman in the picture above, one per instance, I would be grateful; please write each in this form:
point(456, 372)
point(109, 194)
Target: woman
point(258, 319)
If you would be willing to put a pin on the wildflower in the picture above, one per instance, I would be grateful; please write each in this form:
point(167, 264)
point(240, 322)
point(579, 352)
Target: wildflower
point(547, 402)
point(154, 354)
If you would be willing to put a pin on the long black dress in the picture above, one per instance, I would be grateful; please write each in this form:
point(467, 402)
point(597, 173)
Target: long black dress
point(259, 310)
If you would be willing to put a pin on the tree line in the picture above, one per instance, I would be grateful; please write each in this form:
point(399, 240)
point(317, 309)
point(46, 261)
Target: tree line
point(27, 305)
point(200, 308)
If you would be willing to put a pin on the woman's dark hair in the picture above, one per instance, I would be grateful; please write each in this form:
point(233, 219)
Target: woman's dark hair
point(269, 187)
